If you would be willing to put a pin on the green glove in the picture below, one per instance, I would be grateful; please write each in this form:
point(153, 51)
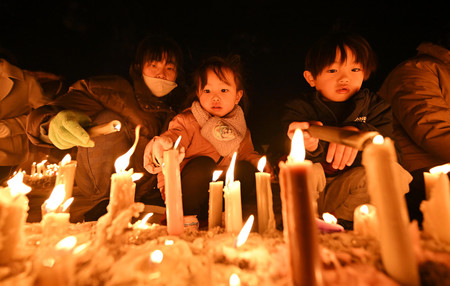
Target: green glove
point(66, 130)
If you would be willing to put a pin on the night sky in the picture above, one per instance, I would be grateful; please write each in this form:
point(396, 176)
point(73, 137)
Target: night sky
point(78, 39)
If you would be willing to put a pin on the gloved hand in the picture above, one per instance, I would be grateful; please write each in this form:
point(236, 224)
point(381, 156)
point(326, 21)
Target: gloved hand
point(66, 130)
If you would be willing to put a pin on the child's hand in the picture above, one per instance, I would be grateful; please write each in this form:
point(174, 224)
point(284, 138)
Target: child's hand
point(160, 145)
point(341, 155)
point(311, 143)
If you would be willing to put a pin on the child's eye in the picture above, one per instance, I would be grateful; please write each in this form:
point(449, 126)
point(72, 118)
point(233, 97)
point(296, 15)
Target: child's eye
point(224, 90)
point(356, 69)
point(206, 91)
point(332, 70)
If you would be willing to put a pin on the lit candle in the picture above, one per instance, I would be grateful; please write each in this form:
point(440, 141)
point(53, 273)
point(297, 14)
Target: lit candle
point(436, 209)
point(57, 266)
point(387, 194)
point(233, 205)
point(245, 232)
point(215, 201)
point(172, 186)
point(298, 217)
point(266, 218)
point(328, 224)
point(66, 175)
point(122, 182)
point(54, 223)
point(13, 215)
point(365, 221)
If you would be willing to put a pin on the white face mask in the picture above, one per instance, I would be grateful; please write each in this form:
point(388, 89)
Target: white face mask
point(159, 87)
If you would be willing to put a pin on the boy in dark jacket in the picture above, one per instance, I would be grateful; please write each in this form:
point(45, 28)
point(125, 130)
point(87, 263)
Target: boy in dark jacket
point(336, 66)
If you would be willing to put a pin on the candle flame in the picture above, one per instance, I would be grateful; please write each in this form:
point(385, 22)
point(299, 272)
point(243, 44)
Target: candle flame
point(297, 147)
point(245, 231)
point(175, 146)
point(16, 185)
point(216, 175)
point(329, 218)
point(441, 169)
point(262, 163)
point(168, 242)
point(156, 256)
point(67, 204)
point(117, 125)
point(123, 161)
point(229, 178)
point(66, 160)
point(142, 224)
point(56, 198)
point(379, 139)
point(67, 243)
point(136, 176)
point(364, 209)
point(234, 280)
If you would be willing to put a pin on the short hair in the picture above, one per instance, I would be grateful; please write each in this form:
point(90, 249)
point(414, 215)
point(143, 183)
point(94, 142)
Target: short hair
point(156, 48)
point(218, 65)
point(323, 52)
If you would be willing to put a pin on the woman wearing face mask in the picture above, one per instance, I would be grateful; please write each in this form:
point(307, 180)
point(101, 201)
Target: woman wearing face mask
point(147, 98)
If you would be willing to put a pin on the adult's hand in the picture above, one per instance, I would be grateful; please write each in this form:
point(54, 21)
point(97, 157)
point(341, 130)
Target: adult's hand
point(66, 130)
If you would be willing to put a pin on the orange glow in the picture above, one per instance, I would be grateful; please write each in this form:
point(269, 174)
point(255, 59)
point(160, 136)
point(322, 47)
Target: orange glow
point(297, 148)
point(230, 172)
point(123, 161)
point(17, 186)
point(66, 160)
point(262, 163)
point(329, 218)
point(378, 139)
point(245, 231)
point(216, 175)
point(441, 169)
point(56, 198)
point(67, 243)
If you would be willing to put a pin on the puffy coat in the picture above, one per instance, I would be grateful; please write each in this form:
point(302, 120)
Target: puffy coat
point(419, 91)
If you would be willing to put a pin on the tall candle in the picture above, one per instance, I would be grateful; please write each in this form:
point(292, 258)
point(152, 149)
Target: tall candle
point(66, 175)
point(386, 192)
point(365, 221)
point(436, 209)
point(266, 217)
point(302, 232)
point(13, 215)
point(233, 204)
point(122, 182)
point(172, 186)
point(215, 201)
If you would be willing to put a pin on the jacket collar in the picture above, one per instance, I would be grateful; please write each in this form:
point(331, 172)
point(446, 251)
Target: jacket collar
point(8, 72)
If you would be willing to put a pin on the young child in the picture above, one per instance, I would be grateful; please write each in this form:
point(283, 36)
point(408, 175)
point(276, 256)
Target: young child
point(336, 66)
point(211, 130)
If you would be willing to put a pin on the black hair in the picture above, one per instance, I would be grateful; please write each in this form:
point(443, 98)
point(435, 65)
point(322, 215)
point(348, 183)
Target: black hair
point(323, 52)
point(218, 65)
point(157, 48)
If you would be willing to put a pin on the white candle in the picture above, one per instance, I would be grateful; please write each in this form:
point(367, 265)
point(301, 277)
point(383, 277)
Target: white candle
point(215, 201)
point(172, 187)
point(104, 129)
point(298, 216)
point(365, 221)
point(266, 217)
point(233, 204)
point(13, 215)
point(436, 209)
point(122, 182)
point(386, 192)
point(66, 175)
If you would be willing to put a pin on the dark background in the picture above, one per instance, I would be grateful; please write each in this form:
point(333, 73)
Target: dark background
point(77, 39)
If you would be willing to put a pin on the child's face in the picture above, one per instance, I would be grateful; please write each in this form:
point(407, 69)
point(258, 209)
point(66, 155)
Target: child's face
point(338, 82)
point(218, 97)
point(160, 69)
